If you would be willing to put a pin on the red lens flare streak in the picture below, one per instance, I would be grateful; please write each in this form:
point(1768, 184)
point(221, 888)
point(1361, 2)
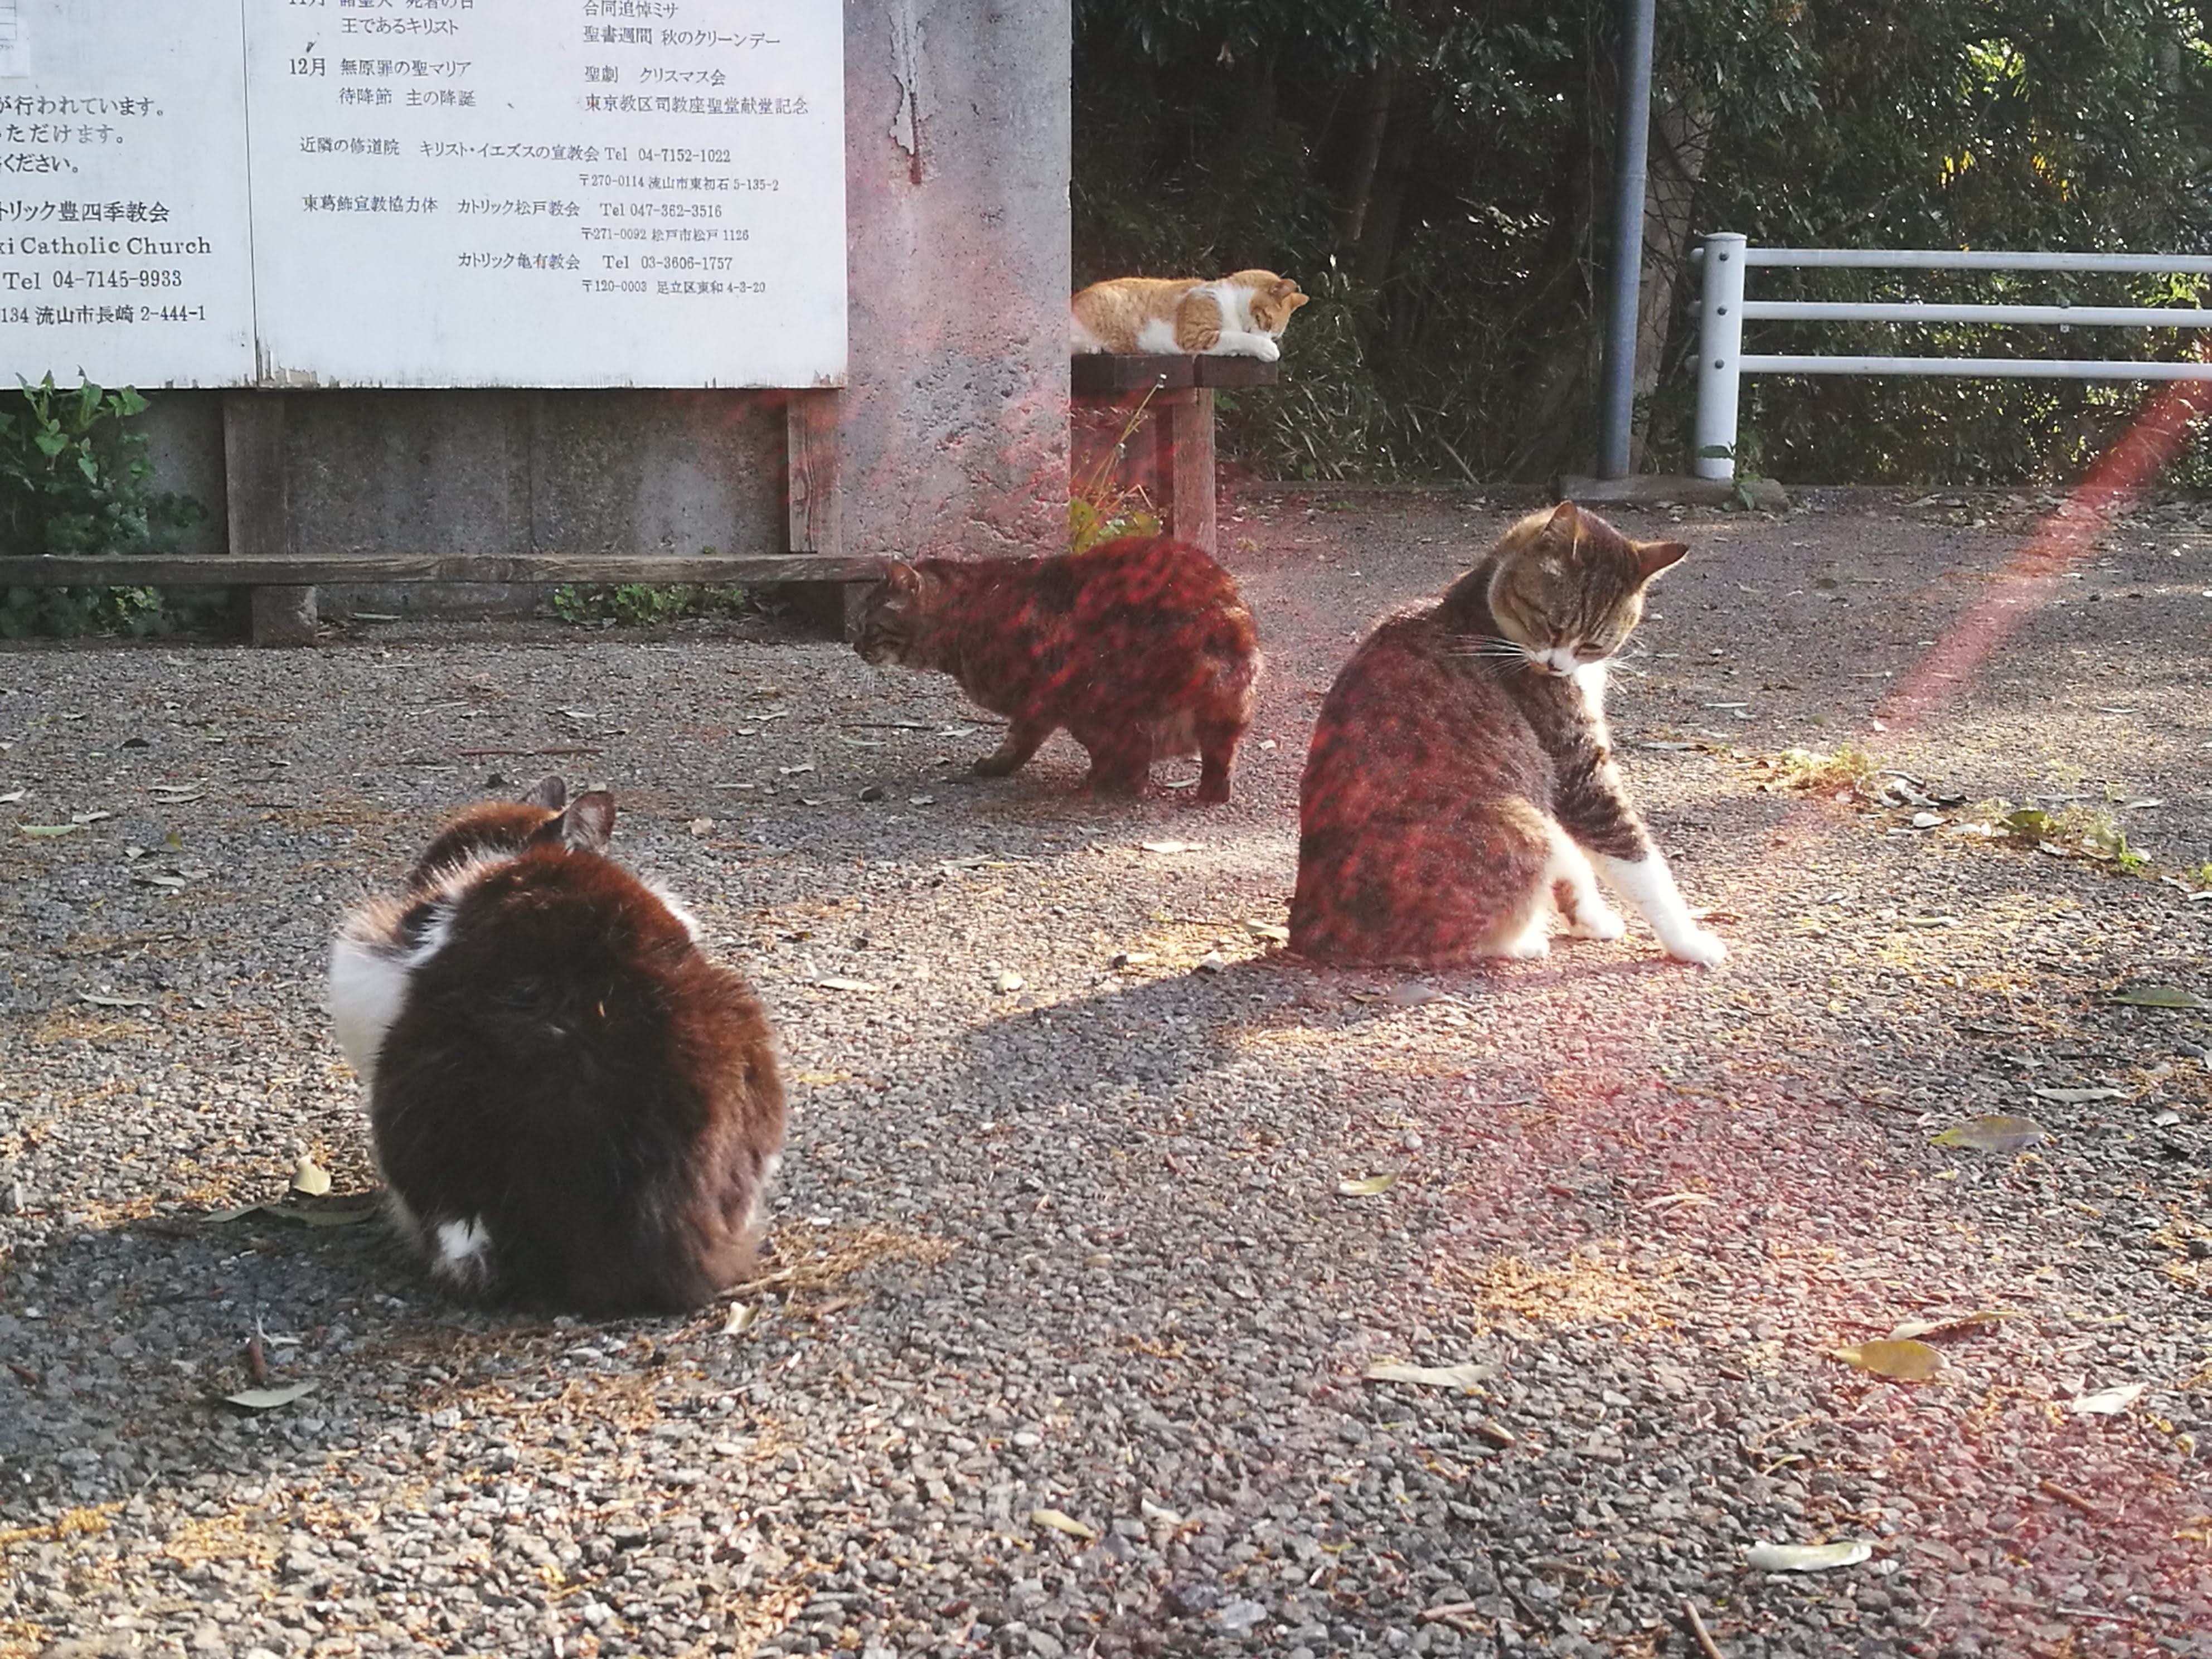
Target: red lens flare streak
point(2030, 579)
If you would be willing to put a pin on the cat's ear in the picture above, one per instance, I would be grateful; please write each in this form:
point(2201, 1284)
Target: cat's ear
point(1565, 524)
point(589, 823)
point(1652, 557)
point(902, 578)
point(549, 792)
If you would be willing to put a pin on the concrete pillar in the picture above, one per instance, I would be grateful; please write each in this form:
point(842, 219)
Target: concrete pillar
point(953, 425)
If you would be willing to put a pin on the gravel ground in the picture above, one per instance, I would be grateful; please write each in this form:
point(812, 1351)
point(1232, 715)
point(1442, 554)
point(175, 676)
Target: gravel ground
point(1063, 1343)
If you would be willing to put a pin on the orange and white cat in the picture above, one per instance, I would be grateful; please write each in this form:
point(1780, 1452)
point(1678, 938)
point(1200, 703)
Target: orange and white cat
point(1241, 315)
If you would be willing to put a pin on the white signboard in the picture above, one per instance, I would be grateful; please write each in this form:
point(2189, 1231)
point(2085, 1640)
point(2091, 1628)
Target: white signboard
point(126, 255)
point(426, 193)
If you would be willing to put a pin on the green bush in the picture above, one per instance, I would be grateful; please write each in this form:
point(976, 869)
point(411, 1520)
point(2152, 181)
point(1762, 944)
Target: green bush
point(75, 481)
point(70, 613)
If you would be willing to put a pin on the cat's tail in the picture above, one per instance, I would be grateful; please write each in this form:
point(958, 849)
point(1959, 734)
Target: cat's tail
point(1231, 650)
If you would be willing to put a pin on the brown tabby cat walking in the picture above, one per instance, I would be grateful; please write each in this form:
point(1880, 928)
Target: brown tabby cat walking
point(1141, 647)
point(1459, 768)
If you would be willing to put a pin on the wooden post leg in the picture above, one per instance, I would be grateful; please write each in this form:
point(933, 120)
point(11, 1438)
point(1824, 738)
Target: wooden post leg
point(856, 607)
point(258, 511)
point(283, 616)
point(810, 432)
point(1189, 420)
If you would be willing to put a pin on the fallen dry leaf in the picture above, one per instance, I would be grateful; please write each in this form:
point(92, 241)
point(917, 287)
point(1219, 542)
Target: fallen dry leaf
point(1430, 1376)
point(264, 1399)
point(1958, 1325)
point(2107, 1402)
point(310, 1177)
point(1901, 1360)
point(1805, 1557)
point(1366, 1186)
point(1059, 1521)
point(1159, 1515)
point(1995, 1133)
point(2160, 996)
point(348, 1211)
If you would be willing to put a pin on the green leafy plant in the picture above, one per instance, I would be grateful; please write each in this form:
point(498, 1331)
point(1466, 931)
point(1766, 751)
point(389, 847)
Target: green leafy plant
point(644, 604)
point(1100, 508)
point(2027, 825)
point(75, 480)
point(1808, 768)
point(71, 612)
point(2073, 830)
point(2100, 838)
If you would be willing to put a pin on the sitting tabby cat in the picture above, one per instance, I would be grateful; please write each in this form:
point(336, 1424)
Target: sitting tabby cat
point(1459, 768)
point(1242, 315)
point(1141, 647)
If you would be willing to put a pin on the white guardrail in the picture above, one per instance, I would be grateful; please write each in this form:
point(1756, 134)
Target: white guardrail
point(1722, 360)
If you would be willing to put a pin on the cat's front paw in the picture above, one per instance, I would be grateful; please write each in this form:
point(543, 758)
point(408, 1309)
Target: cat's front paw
point(1265, 349)
point(1697, 946)
point(1597, 923)
point(1535, 945)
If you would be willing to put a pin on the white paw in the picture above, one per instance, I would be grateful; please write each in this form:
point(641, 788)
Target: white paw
point(1699, 946)
point(1532, 946)
point(1596, 921)
point(1265, 349)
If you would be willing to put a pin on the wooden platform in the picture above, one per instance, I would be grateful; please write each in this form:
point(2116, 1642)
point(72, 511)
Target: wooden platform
point(1097, 374)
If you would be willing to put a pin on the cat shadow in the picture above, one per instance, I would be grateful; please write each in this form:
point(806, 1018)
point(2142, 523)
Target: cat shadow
point(204, 1306)
point(129, 1394)
point(922, 818)
point(1157, 1031)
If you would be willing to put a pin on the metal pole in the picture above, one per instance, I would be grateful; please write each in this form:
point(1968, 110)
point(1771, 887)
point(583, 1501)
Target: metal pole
point(1620, 390)
point(1720, 351)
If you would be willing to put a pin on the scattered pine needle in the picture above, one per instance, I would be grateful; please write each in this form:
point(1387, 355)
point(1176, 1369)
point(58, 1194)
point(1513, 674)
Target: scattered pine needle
point(1699, 1633)
point(78, 1523)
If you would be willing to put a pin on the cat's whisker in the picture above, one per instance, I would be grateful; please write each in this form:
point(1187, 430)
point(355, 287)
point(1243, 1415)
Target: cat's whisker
point(1492, 646)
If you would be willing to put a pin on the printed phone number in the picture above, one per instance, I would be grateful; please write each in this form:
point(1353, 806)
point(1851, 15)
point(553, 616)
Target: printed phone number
point(33, 281)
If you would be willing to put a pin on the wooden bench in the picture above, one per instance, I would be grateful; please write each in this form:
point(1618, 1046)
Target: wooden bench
point(1170, 455)
point(281, 585)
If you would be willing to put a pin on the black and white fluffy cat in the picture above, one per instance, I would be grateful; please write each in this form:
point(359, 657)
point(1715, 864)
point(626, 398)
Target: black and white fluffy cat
point(572, 1105)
